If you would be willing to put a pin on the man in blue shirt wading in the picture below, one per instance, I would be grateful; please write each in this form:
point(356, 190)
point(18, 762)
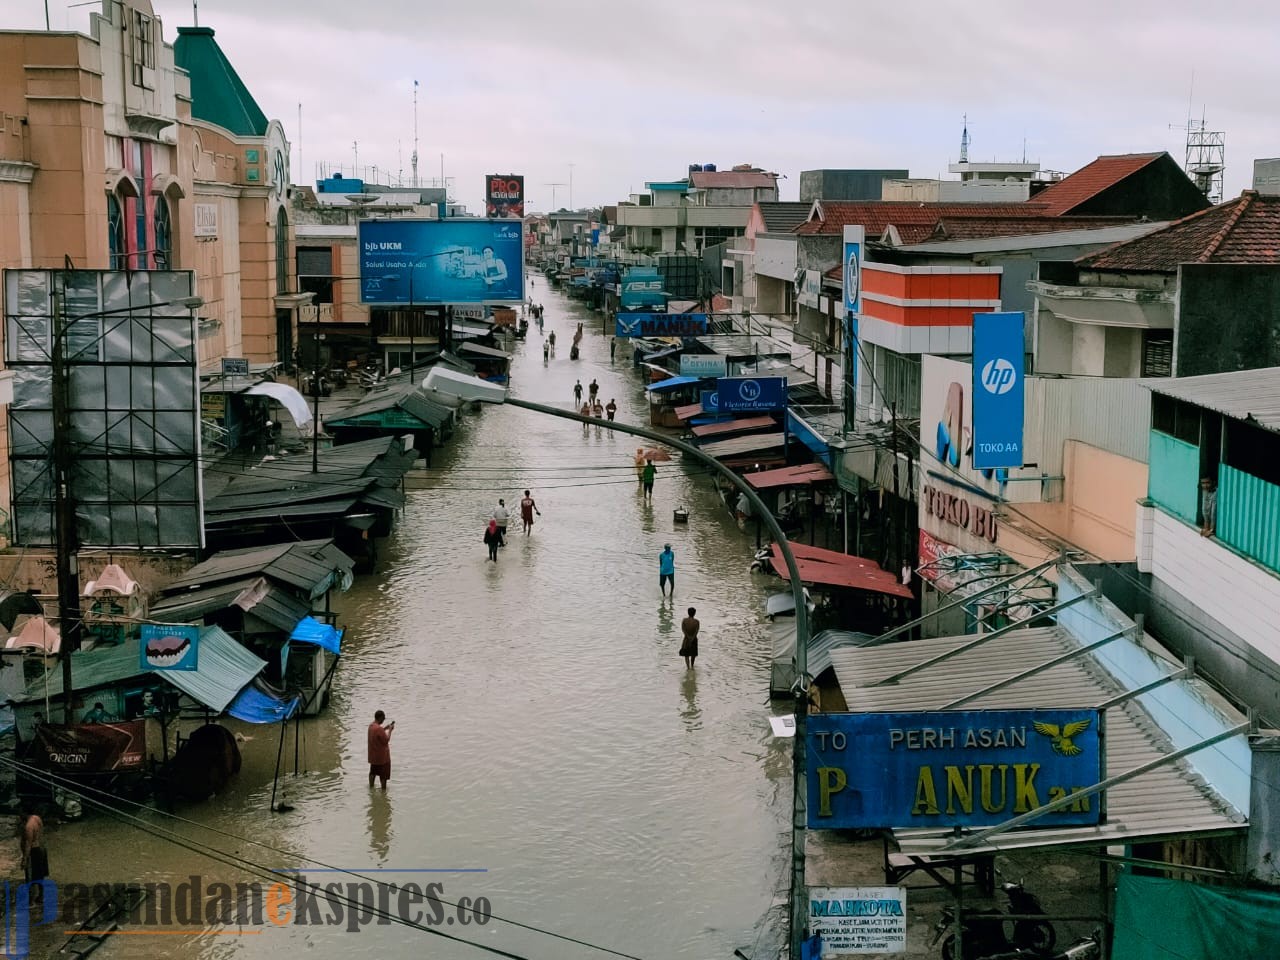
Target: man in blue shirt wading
point(667, 570)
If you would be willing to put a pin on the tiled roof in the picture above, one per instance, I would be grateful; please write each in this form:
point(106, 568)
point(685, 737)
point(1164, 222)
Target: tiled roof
point(218, 95)
point(1090, 180)
point(783, 217)
point(831, 216)
point(1244, 230)
point(978, 228)
point(730, 179)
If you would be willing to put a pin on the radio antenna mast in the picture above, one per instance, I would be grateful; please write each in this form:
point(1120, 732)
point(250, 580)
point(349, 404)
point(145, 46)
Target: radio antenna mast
point(413, 158)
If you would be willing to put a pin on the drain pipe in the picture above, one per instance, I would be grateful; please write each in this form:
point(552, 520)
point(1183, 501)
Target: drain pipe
point(798, 918)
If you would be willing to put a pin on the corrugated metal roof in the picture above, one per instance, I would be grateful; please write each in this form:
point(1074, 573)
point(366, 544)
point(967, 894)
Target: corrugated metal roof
point(403, 396)
point(223, 669)
point(724, 428)
point(1252, 395)
point(826, 642)
point(1167, 801)
point(100, 667)
point(312, 566)
point(481, 350)
point(274, 605)
point(751, 443)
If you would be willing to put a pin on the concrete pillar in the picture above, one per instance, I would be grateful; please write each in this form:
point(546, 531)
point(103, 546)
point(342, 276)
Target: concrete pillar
point(1262, 843)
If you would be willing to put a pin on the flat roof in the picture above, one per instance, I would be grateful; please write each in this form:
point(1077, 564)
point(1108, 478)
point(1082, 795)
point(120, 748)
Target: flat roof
point(1252, 395)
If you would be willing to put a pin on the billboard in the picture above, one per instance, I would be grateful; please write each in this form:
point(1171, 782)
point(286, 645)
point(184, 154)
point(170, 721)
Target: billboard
point(859, 919)
point(944, 768)
point(128, 347)
point(703, 365)
point(999, 389)
point(456, 260)
point(642, 287)
point(91, 747)
point(503, 195)
point(660, 325)
point(169, 647)
point(809, 288)
point(854, 237)
point(739, 394)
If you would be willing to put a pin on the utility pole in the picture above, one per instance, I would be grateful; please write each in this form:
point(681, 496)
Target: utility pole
point(66, 542)
point(894, 519)
point(571, 166)
point(315, 400)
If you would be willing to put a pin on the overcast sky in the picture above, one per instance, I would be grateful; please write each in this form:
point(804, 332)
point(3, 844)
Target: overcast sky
point(627, 92)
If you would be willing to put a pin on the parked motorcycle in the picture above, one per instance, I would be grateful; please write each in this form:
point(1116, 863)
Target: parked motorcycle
point(762, 562)
point(986, 933)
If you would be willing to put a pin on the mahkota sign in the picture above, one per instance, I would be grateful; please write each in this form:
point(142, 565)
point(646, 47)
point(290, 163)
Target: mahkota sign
point(660, 325)
point(946, 768)
point(859, 919)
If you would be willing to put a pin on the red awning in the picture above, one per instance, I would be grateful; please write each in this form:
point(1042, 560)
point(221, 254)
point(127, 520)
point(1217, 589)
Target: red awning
point(689, 411)
point(800, 476)
point(834, 569)
point(726, 427)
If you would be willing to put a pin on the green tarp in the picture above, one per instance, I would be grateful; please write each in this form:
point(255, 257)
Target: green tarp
point(1158, 919)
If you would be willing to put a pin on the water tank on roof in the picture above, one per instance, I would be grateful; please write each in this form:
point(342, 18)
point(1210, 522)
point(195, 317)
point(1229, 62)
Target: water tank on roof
point(709, 167)
point(695, 168)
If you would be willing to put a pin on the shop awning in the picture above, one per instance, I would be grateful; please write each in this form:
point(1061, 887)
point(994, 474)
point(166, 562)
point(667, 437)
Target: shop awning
point(738, 446)
point(689, 411)
point(480, 350)
point(853, 573)
point(323, 635)
point(1167, 801)
point(671, 383)
point(223, 669)
point(287, 397)
point(801, 476)
point(725, 428)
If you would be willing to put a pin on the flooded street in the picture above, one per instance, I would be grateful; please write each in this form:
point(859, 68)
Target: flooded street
point(551, 753)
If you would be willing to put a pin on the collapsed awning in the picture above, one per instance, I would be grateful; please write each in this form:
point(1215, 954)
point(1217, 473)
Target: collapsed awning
point(223, 669)
point(287, 397)
point(841, 570)
point(1166, 801)
point(481, 350)
point(671, 383)
point(258, 703)
point(323, 635)
point(725, 428)
point(801, 476)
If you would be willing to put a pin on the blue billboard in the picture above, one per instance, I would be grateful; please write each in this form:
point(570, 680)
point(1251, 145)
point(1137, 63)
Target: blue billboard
point(710, 401)
point(169, 647)
point(457, 260)
point(999, 390)
point(751, 393)
point(949, 768)
point(660, 325)
point(642, 287)
point(852, 269)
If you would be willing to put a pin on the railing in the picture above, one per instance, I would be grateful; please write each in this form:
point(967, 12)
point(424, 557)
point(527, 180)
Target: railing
point(213, 437)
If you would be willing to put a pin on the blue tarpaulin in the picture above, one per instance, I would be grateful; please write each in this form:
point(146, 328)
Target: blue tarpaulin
point(311, 630)
point(253, 705)
point(671, 384)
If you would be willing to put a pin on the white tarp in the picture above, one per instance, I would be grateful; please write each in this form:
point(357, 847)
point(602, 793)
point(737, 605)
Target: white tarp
point(462, 386)
point(287, 397)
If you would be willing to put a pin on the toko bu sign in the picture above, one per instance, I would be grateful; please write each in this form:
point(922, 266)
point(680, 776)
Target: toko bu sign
point(945, 768)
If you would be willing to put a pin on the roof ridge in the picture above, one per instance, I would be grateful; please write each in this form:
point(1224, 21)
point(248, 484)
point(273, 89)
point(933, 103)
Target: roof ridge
point(1242, 204)
point(1147, 236)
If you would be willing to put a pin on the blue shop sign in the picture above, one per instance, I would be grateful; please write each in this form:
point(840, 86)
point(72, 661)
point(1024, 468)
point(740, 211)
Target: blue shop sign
point(642, 287)
point(999, 350)
point(660, 325)
point(710, 401)
point(457, 260)
point(752, 393)
point(944, 768)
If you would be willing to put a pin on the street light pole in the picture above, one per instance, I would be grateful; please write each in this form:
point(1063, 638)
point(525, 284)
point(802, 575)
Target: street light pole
point(67, 546)
point(799, 807)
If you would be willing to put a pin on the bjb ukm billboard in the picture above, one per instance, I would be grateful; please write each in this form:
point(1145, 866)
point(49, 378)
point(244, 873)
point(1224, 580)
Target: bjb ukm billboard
point(456, 260)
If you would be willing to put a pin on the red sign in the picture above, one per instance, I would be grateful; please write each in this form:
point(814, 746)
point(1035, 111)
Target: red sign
point(504, 195)
point(91, 747)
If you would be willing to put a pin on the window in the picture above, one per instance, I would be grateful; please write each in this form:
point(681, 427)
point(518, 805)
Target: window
point(144, 50)
point(1157, 353)
point(1176, 418)
point(1252, 450)
point(115, 232)
point(315, 272)
point(282, 251)
point(163, 252)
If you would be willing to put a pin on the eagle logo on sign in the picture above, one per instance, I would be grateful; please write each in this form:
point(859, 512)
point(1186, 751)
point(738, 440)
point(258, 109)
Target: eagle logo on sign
point(1060, 737)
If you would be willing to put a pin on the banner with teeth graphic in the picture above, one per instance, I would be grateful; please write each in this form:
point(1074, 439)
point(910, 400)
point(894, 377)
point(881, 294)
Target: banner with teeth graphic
point(169, 647)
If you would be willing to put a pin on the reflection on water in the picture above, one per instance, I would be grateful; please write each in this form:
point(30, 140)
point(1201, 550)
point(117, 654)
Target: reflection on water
point(547, 732)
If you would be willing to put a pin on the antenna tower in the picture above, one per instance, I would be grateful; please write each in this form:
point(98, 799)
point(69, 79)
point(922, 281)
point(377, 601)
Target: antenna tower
point(1206, 158)
point(413, 158)
point(964, 141)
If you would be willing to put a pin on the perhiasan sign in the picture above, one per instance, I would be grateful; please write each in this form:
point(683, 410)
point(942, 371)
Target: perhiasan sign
point(945, 768)
point(859, 919)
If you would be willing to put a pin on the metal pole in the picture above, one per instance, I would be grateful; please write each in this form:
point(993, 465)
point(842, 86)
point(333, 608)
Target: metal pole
point(66, 544)
point(799, 812)
point(315, 402)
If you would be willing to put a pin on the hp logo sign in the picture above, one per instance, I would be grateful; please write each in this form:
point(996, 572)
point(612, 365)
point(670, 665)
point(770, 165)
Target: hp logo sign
point(998, 376)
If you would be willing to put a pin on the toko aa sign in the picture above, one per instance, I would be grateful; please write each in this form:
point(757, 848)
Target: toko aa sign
point(999, 392)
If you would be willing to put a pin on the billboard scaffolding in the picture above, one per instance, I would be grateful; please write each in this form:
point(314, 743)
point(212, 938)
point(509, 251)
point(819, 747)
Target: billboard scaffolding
point(128, 360)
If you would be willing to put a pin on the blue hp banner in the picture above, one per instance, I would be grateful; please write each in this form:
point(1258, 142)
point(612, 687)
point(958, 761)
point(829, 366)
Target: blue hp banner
point(946, 768)
point(751, 393)
point(998, 390)
point(458, 260)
